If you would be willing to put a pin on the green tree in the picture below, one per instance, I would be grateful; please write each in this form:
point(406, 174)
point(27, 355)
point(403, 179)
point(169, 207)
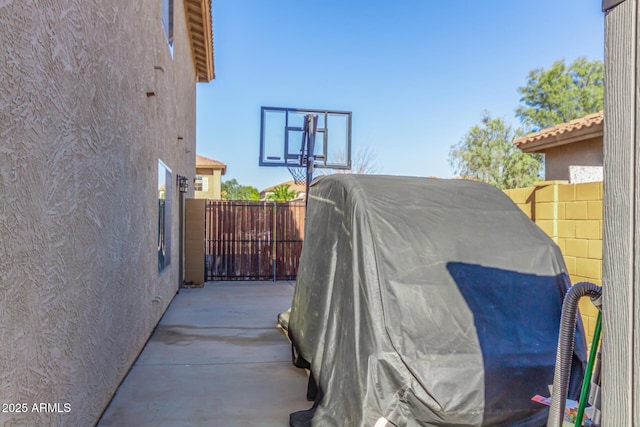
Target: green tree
point(561, 93)
point(281, 193)
point(231, 190)
point(486, 153)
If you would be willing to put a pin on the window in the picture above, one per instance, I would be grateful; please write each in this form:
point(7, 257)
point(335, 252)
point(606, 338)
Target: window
point(167, 22)
point(164, 216)
point(201, 183)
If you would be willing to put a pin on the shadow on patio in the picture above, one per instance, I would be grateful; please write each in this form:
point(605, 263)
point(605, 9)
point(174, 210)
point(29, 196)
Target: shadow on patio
point(216, 358)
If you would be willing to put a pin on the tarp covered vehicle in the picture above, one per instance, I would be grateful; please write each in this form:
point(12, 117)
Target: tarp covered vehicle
point(426, 302)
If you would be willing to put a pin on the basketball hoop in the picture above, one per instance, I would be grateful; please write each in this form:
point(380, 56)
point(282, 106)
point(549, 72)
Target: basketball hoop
point(313, 149)
point(299, 174)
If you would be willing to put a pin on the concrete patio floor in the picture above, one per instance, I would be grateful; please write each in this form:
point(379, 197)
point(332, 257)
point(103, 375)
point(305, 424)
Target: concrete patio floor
point(216, 359)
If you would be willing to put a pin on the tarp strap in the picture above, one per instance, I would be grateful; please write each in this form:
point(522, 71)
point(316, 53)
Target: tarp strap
point(297, 360)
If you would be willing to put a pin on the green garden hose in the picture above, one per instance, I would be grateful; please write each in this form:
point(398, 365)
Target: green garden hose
point(586, 384)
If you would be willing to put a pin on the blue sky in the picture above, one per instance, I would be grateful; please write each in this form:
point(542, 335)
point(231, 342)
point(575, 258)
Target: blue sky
point(416, 74)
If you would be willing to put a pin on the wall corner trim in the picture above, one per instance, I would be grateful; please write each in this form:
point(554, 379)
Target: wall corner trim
point(610, 4)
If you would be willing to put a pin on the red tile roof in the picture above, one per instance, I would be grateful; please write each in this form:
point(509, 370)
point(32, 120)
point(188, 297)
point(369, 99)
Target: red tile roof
point(576, 130)
point(203, 162)
point(298, 188)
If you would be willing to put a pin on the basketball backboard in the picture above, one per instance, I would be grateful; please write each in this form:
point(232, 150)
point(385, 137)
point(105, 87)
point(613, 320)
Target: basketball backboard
point(283, 138)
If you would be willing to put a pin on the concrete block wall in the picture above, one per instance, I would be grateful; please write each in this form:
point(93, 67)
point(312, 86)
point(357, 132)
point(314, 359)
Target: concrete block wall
point(524, 198)
point(571, 214)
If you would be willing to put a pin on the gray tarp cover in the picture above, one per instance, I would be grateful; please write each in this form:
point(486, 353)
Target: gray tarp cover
point(428, 302)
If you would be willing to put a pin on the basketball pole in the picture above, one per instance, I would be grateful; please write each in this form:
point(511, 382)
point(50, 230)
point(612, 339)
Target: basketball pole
point(311, 126)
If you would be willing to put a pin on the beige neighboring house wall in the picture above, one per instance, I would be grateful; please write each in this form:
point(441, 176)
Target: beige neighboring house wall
point(91, 99)
point(558, 159)
point(576, 143)
point(208, 181)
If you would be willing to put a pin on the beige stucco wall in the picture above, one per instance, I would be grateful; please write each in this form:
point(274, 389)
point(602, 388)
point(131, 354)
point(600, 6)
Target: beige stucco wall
point(215, 184)
point(558, 159)
point(79, 146)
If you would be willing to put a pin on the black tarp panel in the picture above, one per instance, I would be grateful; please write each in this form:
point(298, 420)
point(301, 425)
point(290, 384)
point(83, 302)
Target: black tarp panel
point(426, 302)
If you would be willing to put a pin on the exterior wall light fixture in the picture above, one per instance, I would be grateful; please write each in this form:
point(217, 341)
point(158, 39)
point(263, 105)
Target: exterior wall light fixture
point(183, 183)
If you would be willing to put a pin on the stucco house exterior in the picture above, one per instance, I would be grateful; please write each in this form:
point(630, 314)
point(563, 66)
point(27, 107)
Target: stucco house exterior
point(208, 180)
point(97, 121)
point(577, 143)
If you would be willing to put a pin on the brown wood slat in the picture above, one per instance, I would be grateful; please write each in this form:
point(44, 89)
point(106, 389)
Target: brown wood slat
point(242, 237)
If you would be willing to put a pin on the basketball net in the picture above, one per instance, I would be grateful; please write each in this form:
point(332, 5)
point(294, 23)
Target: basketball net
point(299, 174)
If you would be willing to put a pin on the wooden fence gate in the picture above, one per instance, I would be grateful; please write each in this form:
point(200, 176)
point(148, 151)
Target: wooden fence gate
point(253, 240)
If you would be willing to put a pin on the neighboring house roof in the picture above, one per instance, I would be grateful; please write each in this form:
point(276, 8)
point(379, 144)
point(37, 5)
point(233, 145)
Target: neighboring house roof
point(584, 128)
point(201, 36)
point(205, 162)
point(298, 188)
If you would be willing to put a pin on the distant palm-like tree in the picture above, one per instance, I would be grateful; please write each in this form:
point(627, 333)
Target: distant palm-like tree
point(282, 193)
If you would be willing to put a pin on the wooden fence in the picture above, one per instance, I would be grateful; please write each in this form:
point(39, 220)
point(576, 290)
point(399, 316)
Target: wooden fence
point(253, 240)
